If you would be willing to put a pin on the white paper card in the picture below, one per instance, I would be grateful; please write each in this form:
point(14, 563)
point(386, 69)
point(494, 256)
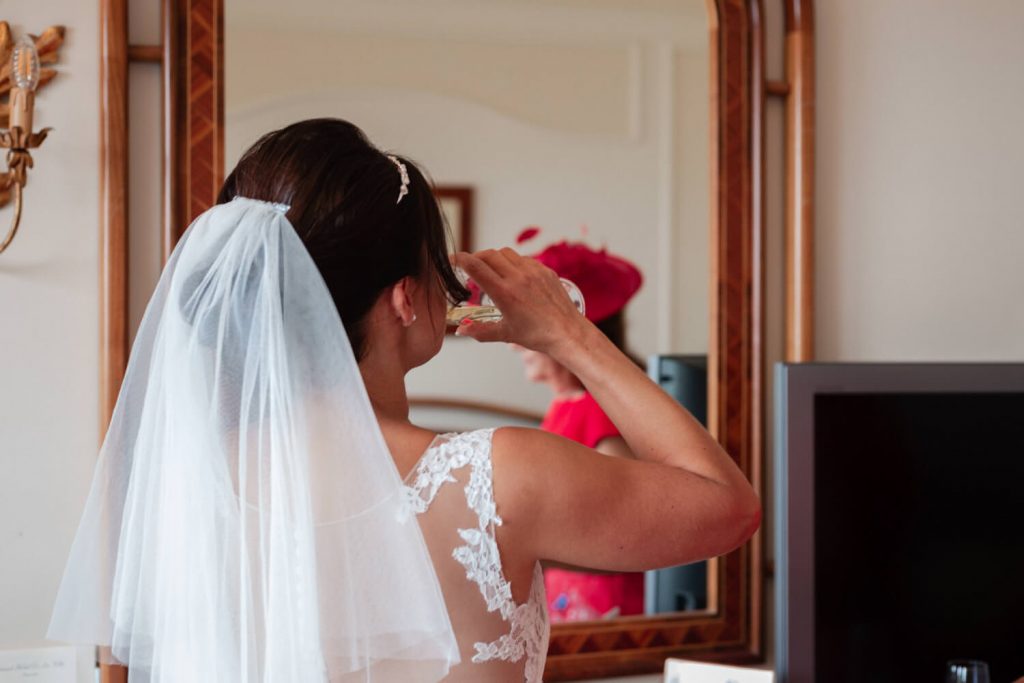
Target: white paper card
point(38, 665)
point(680, 671)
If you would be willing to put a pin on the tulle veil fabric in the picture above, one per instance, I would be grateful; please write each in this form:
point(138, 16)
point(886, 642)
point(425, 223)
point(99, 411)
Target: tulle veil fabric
point(245, 522)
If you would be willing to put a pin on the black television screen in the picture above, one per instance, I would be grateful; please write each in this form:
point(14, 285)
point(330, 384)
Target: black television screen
point(913, 547)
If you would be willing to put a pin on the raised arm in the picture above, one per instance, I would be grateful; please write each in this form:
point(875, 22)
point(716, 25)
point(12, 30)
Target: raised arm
point(681, 500)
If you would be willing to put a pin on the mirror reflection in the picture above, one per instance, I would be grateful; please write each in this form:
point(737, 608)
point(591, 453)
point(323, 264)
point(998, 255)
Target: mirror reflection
point(575, 130)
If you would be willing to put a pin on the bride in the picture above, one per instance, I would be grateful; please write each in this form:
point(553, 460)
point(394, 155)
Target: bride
point(264, 510)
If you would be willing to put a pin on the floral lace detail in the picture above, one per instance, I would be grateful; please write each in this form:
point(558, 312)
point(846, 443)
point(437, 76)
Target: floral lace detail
point(527, 636)
point(528, 630)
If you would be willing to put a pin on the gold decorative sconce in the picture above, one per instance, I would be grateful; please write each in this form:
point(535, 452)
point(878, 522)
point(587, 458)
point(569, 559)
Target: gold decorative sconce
point(22, 72)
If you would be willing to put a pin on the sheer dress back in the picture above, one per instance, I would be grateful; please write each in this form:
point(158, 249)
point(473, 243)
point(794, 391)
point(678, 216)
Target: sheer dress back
point(450, 490)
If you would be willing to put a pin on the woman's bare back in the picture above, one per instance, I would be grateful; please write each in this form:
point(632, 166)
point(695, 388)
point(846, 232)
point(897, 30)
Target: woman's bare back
point(499, 619)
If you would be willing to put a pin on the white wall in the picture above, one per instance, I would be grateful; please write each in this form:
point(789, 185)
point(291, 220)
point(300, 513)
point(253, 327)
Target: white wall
point(49, 330)
point(920, 213)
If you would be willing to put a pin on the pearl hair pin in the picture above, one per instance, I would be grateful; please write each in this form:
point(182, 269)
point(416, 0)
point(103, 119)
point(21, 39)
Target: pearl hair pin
point(403, 173)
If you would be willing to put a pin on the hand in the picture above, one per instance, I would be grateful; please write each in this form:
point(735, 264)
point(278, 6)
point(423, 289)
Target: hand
point(536, 310)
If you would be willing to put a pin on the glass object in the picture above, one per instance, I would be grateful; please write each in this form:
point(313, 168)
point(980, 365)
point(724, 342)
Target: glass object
point(966, 671)
point(25, 65)
point(487, 312)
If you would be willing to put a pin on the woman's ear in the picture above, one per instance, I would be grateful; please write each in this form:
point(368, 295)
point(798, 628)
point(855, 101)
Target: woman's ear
point(401, 301)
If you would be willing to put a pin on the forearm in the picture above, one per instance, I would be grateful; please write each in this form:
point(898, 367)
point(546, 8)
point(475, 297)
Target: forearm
point(654, 425)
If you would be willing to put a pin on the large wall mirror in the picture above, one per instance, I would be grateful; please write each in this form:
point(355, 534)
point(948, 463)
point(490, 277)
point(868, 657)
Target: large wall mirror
point(634, 124)
point(588, 120)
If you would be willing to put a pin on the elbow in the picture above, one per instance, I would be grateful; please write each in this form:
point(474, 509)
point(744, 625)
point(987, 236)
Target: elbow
point(734, 518)
point(752, 517)
point(747, 517)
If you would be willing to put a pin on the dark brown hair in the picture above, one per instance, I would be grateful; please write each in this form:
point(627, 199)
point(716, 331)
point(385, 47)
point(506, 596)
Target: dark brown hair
point(343, 193)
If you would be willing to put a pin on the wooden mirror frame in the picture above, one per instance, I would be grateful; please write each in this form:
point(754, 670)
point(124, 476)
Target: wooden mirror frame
point(191, 60)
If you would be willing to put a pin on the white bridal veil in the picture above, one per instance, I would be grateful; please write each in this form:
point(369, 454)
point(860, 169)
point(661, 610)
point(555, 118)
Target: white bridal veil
point(244, 523)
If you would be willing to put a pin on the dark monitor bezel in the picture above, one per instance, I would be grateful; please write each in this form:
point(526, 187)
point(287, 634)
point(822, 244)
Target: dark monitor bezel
point(796, 385)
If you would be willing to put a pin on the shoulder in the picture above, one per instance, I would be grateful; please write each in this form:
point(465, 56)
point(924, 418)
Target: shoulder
point(552, 491)
point(517, 460)
point(518, 470)
point(527, 454)
point(519, 448)
point(527, 463)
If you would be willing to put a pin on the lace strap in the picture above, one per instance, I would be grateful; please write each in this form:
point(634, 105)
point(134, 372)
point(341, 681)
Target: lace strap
point(450, 452)
point(528, 623)
point(479, 555)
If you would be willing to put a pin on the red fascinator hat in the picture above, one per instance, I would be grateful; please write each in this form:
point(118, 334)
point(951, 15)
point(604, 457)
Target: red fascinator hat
point(607, 281)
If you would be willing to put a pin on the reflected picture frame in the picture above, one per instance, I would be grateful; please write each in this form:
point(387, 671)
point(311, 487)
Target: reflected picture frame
point(457, 206)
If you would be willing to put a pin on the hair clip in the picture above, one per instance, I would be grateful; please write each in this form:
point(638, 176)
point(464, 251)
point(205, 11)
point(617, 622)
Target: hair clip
point(276, 206)
point(404, 174)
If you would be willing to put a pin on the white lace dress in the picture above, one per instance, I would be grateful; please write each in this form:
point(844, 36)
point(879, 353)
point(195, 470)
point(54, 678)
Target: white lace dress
point(450, 490)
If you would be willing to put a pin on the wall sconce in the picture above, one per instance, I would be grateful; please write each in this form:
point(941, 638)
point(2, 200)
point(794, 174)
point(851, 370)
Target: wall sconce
point(21, 74)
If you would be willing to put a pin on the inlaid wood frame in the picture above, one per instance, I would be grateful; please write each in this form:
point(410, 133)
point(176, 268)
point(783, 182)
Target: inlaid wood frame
point(730, 629)
point(191, 60)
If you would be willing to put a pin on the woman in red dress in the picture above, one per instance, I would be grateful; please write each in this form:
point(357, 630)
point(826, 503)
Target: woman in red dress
point(607, 282)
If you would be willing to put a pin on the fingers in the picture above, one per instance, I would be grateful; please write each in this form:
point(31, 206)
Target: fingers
point(528, 294)
point(492, 268)
point(513, 257)
point(506, 262)
point(478, 270)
